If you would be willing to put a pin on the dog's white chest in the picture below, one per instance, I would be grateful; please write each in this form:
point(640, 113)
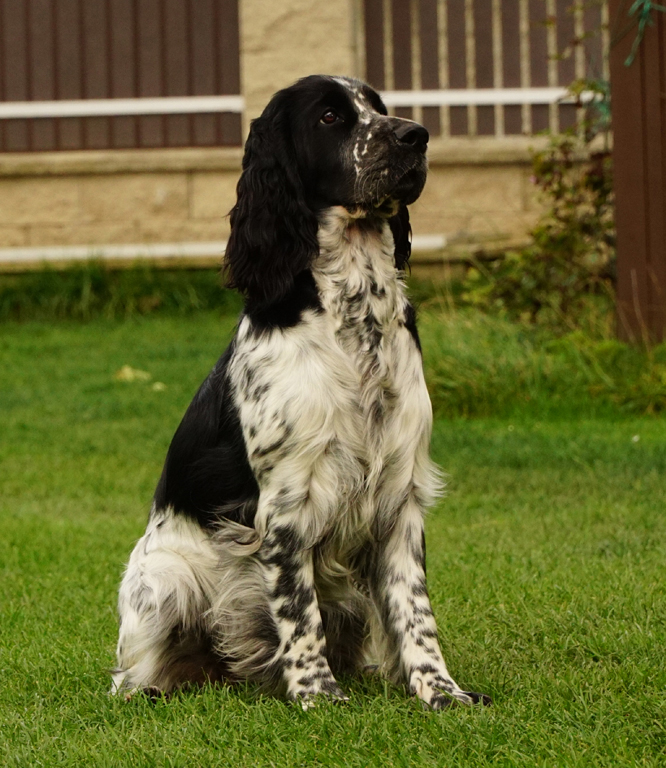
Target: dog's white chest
point(336, 408)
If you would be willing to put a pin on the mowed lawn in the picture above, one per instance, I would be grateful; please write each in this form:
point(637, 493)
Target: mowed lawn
point(546, 566)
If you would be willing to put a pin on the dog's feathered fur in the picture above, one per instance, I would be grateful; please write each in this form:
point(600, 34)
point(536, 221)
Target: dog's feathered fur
point(285, 543)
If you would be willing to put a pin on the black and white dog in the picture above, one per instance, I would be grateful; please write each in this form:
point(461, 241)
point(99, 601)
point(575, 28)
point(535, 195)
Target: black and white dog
point(285, 543)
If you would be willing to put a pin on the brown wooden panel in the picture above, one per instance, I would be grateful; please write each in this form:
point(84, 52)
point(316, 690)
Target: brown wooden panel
point(230, 129)
point(538, 16)
point(513, 120)
point(511, 43)
point(96, 51)
point(177, 128)
point(402, 51)
point(654, 134)
point(485, 76)
point(124, 133)
point(659, 266)
point(16, 136)
point(123, 49)
point(228, 46)
point(69, 132)
point(14, 53)
point(202, 41)
point(43, 136)
point(373, 15)
point(629, 184)
point(41, 50)
point(41, 57)
point(151, 131)
point(458, 121)
point(483, 36)
point(540, 118)
point(593, 45)
point(538, 43)
point(429, 40)
point(458, 116)
point(566, 37)
point(13, 49)
point(513, 117)
point(72, 49)
point(567, 116)
point(431, 119)
point(176, 48)
point(97, 132)
point(485, 120)
point(456, 44)
point(68, 50)
point(149, 48)
point(204, 130)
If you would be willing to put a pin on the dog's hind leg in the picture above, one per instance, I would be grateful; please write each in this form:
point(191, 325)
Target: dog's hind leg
point(163, 599)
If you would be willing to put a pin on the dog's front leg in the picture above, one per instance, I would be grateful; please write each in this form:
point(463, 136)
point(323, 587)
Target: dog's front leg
point(288, 570)
point(400, 592)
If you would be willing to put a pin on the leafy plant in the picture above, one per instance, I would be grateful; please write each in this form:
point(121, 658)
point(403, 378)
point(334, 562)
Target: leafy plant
point(572, 253)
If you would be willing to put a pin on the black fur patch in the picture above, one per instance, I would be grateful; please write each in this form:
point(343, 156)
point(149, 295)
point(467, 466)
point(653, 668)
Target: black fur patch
point(207, 475)
point(287, 311)
point(401, 230)
point(410, 324)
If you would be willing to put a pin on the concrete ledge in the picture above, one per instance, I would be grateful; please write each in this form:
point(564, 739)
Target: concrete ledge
point(484, 150)
point(426, 250)
point(108, 161)
point(203, 254)
point(489, 150)
point(462, 151)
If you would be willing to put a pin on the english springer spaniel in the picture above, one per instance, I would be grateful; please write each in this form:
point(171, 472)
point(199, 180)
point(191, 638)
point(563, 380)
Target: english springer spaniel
point(285, 542)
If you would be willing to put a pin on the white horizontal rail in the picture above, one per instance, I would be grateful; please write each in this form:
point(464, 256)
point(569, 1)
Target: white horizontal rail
point(163, 105)
point(137, 251)
point(178, 105)
point(148, 252)
point(463, 97)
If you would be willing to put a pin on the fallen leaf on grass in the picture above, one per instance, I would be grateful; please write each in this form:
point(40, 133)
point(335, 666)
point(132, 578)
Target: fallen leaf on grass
point(127, 373)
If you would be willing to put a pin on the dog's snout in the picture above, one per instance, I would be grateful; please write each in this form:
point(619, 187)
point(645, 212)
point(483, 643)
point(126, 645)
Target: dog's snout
point(413, 134)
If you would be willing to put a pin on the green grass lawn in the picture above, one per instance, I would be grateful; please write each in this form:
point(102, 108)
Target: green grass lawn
point(546, 567)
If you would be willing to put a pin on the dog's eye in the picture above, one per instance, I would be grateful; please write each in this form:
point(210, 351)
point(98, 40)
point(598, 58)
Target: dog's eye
point(329, 117)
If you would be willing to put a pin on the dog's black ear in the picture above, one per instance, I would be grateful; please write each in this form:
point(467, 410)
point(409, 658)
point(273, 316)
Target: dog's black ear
point(402, 233)
point(273, 231)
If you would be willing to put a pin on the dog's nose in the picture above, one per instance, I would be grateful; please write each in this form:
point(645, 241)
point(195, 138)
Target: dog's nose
point(409, 132)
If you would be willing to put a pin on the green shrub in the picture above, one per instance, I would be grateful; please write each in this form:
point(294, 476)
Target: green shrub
point(571, 256)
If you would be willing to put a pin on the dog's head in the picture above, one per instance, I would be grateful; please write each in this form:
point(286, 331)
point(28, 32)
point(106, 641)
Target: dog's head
point(324, 141)
point(348, 151)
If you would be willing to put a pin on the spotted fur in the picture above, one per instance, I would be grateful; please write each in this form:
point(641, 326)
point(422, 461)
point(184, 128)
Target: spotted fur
point(285, 544)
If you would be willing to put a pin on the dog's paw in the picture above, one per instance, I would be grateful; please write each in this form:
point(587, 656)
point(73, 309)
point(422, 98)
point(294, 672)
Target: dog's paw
point(318, 692)
point(442, 700)
point(479, 698)
point(438, 691)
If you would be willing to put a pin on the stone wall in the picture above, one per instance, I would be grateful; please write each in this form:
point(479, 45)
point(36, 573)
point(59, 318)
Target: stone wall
point(125, 196)
point(479, 188)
